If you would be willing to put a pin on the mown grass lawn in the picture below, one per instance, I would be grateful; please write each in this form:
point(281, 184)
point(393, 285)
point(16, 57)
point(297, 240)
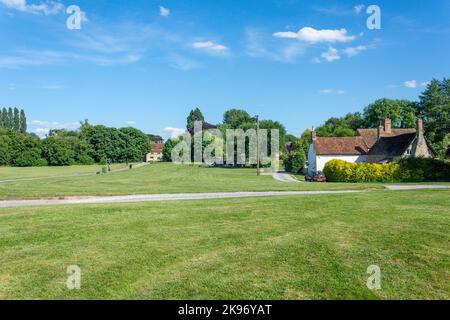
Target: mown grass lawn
point(152, 179)
point(32, 173)
point(307, 247)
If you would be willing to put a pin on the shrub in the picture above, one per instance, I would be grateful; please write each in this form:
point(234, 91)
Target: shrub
point(25, 149)
point(41, 163)
point(295, 161)
point(404, 170)
point(59, 151)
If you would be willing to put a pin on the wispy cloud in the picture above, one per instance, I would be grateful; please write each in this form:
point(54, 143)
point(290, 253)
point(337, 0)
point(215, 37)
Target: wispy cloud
point(359, 8)
point(353, 51)
point(182, 63)
point(164, 12)
point(340, 10)
point(312, 35)
point(211, 47)
point(49, 7)
point(332, 91)
point(259, 46)
point(25, 58)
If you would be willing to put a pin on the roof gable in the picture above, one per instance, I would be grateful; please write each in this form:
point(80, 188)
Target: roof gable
point(393, 146)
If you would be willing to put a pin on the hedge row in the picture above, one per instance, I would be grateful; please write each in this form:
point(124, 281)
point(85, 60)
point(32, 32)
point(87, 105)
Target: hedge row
point(404, 170)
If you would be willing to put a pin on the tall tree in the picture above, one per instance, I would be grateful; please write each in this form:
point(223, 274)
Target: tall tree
point(236, 118)
point(435, 109)
point(3, 118)
point(16, 120)
point(10, 119)
point(401, 112)
point(23, 121)
point(194, 115)
point(341, 127)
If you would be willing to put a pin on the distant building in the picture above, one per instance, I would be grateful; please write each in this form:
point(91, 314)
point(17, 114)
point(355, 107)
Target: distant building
point(156, 153)
point(381, 145)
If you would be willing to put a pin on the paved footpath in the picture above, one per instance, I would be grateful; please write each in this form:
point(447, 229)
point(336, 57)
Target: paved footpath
point(189, 196)
point(284, 177)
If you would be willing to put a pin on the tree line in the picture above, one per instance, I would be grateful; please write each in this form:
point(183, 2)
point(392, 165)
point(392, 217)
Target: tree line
point(13, 119)
point(88, 145)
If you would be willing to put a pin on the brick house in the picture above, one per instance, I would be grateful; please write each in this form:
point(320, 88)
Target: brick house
point(381, 145)
point(156, 153)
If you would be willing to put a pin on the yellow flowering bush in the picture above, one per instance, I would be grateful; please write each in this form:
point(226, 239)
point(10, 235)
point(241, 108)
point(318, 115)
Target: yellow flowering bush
point(411, 169)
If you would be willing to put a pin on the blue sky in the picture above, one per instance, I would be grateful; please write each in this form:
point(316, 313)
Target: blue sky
point(147, 63)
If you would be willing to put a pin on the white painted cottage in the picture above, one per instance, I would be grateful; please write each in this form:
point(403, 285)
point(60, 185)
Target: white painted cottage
point(380, 145)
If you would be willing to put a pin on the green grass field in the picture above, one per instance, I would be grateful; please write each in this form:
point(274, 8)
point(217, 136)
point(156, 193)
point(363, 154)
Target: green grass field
point(152, 179)
point(308, 247)
point(14, 173)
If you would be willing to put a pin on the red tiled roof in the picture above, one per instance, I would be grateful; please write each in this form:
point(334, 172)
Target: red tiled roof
point(157, 147)
point(340, 145)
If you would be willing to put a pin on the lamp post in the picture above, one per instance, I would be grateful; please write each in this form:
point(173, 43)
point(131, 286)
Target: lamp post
point(257, 146)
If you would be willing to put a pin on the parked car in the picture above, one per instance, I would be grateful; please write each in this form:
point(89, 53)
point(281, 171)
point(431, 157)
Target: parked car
point(316, 177)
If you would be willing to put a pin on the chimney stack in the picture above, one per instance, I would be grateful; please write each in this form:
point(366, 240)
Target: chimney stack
point(379, 131)
point(387, 125)
point(419, 126)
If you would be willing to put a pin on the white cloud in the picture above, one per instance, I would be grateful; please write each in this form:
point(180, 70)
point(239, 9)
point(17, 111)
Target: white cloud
point(359, 8)
point(46, 8)
point(412, 84)
point(211, 47)
point(334, 54)
point(174, 132)
point(332, 91)
point(312, 35)
point(130, 122)
point(353, 51)
point(164, 12)
point(331, 55)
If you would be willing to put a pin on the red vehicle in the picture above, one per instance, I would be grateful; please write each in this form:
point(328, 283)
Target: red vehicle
point(316, 177)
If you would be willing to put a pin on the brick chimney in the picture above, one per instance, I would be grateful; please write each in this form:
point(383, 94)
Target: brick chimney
point(420, 147)
point(419, 126)
point(387, 125)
